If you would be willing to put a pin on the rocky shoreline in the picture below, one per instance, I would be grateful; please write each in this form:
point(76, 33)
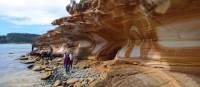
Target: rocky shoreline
point(123, 43)
point(83, 74)
point(110, 73)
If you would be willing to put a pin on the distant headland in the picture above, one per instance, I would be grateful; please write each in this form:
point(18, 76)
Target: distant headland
point(18, 38)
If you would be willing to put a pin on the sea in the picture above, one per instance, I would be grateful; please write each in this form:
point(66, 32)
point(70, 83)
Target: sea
point(12, 72)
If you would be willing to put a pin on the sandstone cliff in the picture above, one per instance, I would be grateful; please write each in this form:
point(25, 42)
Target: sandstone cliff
point(164, 30)
point(158, 33)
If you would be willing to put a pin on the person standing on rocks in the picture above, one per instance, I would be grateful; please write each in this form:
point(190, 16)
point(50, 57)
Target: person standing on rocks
point(71, 59)
point(44, 56)
point(32, 47)
point(66, 62)
point(50, 53)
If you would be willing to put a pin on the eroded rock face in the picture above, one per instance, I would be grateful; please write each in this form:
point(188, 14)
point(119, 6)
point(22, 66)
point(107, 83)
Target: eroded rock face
point(164, 30)
point(137, 76)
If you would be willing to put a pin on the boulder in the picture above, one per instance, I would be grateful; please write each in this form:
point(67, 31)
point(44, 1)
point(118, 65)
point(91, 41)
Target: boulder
point(45, 76)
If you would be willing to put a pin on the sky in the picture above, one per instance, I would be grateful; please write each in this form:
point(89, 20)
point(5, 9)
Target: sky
point(30, 16)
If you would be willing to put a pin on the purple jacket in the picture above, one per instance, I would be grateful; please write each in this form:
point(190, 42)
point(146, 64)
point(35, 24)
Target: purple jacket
point(66, 59)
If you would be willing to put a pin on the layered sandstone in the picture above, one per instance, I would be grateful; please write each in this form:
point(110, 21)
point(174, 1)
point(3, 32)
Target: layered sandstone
point(163, 30)
point(158, 33)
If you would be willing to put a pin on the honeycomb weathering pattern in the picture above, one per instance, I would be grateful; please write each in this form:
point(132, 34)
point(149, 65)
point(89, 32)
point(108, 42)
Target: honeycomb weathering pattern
point(163, 30)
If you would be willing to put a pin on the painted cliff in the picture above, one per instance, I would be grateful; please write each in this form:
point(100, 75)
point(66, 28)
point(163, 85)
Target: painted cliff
point(147, 30)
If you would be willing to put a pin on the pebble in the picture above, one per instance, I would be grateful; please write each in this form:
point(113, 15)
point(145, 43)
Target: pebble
point(84, 83)
point(72, 81)
point(57, 83)
point(77, 84)
point(45, 76)
point(90, 79)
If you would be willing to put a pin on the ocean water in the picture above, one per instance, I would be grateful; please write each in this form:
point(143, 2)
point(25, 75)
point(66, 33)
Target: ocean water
point(12, 72)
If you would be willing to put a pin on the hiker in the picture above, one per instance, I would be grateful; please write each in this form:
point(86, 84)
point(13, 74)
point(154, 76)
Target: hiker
point(50, 54)
point(44, 56)
point(71, 59)
point(32, 47)
point(66, 62)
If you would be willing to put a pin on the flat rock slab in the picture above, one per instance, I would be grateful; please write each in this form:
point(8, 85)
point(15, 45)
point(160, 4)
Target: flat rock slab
point(30, 66)
point(45, 76)
point(23, 58)
point(37, 68)
point(28, 61)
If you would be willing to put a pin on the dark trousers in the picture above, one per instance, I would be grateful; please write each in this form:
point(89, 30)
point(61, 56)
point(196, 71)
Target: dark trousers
point(67, 67)
point(71, 63)
point(49, 56)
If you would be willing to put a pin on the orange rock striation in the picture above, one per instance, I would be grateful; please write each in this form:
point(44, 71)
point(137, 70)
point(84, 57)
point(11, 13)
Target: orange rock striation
point(165, 32)
point(158, 33)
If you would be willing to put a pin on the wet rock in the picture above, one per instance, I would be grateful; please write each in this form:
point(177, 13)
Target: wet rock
point(45, 76)
point(30, 66)
point(37, 68)
point(57, 83)
point(23, 58)
point(28, 61)
point(72, 81)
